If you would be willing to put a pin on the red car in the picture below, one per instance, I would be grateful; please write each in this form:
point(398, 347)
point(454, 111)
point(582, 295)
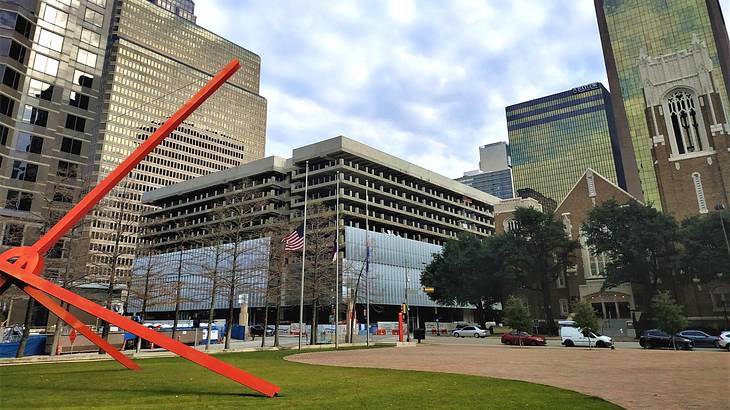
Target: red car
point(515, 338)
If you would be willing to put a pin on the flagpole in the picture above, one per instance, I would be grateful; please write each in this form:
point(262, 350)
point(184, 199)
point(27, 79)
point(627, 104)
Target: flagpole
point(304, 254)
point(337, 258)
point(367, 266)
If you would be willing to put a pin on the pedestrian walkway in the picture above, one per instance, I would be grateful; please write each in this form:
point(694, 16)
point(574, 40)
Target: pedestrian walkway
point(632, 378)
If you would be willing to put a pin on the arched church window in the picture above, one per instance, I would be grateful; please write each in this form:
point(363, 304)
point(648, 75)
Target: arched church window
point(685, 120)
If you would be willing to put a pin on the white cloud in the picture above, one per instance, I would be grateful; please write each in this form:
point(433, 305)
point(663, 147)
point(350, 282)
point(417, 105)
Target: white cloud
point(426, 81)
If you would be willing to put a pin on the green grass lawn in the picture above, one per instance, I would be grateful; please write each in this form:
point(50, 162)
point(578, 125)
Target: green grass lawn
point(176, 383)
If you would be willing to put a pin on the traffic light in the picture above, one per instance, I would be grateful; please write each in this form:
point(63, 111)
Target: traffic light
point(403, 308)
point(427, 289)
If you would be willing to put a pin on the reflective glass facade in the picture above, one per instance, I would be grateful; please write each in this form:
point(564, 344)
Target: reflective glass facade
point(554, 139)
point(157, 276)
point(392, 260)
point(659, 27)
point(497, 183)
point(51, 66)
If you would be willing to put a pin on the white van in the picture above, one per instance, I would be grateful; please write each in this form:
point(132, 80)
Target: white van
point(573, 336)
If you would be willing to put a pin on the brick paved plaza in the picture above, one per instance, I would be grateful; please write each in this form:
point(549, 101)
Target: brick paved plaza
point(632, 378)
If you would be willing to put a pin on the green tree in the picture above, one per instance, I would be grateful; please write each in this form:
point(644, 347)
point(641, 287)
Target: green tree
point(516, 314)
point(585, 317)
point(467, 271)
point(537, 251)
point(639, 242)
point(668, 314)
point(704, 251)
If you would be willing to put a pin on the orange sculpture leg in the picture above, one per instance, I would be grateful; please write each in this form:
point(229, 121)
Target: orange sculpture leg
point(24, 264)
point(80, 327)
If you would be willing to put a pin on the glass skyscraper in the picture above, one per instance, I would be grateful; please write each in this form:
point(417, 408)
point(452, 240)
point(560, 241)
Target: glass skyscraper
point(497, 183)
point(656, 27)
point(554, 139)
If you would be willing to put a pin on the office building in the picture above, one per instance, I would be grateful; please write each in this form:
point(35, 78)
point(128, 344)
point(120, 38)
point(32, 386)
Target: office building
point(409, 213)
point(494, 157)
point(156, 61)
point(660, 53)
point(84, 83)
point(554, 139)
point(494, 175)
point(52, 63)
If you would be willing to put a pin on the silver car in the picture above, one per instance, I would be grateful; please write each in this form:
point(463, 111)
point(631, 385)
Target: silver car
point(470, 331)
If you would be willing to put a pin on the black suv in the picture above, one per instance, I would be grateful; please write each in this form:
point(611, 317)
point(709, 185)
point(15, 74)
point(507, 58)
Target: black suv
point(658, 338)
point(258, 330)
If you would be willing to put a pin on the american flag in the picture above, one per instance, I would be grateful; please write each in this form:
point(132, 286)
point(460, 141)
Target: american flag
point(295, 240)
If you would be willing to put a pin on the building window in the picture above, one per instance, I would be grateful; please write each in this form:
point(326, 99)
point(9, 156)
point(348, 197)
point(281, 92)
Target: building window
point(13, 235)
point(75, 123)
point(25, 142)
point(686, 125)
point(564, 307)
point(24, 171)
point(86, 57)
point(20, 201)
point(45, 65)
point(40, 89)
point(70, 145)
point(68, 169)
point(3, 135)
point(79, 100)
point(6, 105)
point(14, 50)
point(11, 21)
point(90, 37)
point(35, 116)
point(700, 192)
point(53, 15)
point(57, 251)
point(83, 79)
point(560, 282)
point(11, 78)
point(93, 17)
point(509, 224)
point(50, 40)
point(63, 196)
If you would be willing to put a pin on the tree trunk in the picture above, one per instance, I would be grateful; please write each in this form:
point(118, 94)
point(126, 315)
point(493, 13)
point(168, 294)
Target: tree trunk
point(178, 290)
point(266, 323)
point(26, 328)
point(229, 316)
point(548, 307)
point(57, 332)
point(313, 336)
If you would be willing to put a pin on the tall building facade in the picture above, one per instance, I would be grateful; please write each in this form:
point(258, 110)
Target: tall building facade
point(554, 139)
point(86, 82)
point(494, 175)
point(52, 62)
point(640, 30)
point(155, 62)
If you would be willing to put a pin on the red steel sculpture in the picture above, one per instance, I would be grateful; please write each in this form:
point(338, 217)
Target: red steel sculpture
point(23, 265)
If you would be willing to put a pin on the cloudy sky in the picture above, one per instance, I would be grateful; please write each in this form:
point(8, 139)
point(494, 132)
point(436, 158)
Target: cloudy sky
point(426, 81)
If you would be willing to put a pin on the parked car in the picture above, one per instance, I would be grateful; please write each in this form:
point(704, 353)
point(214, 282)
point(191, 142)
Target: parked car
point(258, 330)
point(573, 336)
point(699, 338)
point(516, 338)
point(470, 331)
point(724, 340)
point(654, 338)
